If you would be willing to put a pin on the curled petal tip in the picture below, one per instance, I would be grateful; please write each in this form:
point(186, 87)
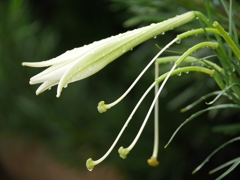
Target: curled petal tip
point(123, 152)
point(102, 107)
point(153, 162)
point(90, 164)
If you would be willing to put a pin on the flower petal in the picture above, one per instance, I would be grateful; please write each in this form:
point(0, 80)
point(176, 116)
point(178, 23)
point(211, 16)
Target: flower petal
point(46, 85)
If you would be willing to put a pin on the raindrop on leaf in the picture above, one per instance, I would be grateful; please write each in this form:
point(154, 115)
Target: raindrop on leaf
point(179, 74)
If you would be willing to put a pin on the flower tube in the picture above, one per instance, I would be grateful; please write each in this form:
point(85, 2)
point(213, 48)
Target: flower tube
point(85, 61)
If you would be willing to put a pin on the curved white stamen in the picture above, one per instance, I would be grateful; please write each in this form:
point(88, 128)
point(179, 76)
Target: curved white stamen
point(150, 109)
point(140, 75)
point(124, 126)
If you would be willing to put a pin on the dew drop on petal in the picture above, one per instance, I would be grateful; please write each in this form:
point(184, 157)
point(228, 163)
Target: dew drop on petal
point(123, 49)
point(90, 68)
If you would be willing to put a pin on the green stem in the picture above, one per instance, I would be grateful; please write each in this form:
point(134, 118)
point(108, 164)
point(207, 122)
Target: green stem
point(197, 31)
point(203, 18)
point(190, 59)
point(186, 70)
point(228, 39)
point(194, 48)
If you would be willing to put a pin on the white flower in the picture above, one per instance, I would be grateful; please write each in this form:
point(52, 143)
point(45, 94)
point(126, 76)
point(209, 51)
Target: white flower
point(85, 61)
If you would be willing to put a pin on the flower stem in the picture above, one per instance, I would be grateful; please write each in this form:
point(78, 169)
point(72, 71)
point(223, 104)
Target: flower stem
point(228, 39)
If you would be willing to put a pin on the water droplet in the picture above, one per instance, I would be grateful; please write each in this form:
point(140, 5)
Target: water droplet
point(233, 68)
point(196, 17)
point(123, 49)
point(66, 86)
point(179, 74)
point(187, 72)
point(49, 88)
point(90, 68)
point(163, 33)
point(155, 37)
point(192, 64)
point(90, 169)
point(178, 41)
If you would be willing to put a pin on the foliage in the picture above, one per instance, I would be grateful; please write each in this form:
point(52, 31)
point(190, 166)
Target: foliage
point(72, 134)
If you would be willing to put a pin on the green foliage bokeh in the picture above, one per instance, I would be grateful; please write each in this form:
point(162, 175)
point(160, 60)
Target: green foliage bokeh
point(70, 127)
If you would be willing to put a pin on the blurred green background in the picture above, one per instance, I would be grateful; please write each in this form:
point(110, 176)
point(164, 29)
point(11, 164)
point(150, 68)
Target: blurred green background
point(44, 137)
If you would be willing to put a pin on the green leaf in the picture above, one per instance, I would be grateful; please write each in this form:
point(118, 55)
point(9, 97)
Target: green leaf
point(221, 106)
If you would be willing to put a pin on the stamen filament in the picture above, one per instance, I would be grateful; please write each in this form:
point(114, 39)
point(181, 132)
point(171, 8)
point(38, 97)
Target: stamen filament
point(153, 160)
point(150, 109)
point(90, 163)
point(108, 106)
point(156, 114)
